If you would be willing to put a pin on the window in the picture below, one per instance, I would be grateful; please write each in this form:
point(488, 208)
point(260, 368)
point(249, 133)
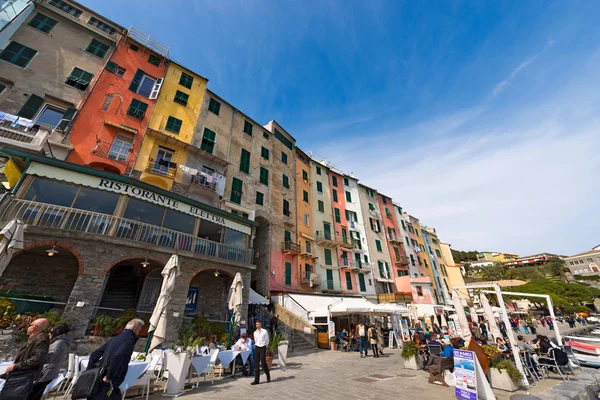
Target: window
point(308, 247)
point(321, 206)
point(247, 127)
point(337, 215)
point(264, 153)
point(286, 142)
point(348, 280)
point(286, 208)
point(173, 124)
point(378, 245)
point(396, 253)
point(305, 196)
point(347, 214)
point(260, 198)
point(181, 98)
point(288, 273)
point(381, 269)
point(133, 47)
point(305, 175)
point(346, 183)
point(307, 271)
point(236, 191)
point(265, 135)
point(306, 221)
point(186, 80)
point(17, 54)
point(50, 115)
point(264, 176)
point(318, 170)
point(434, 241)
point(326, 231)
point(327, 253)
point(384, 200)
point(245, 161)
point(154, 60)
point(144, 85)
point(103, 26)
point(97, 48)
point(403, 226)
point(319, 187)
point(334, 181)
point(42, 22)
point(121, 148)
point(361, 283)
point(79, 79)
point(287, 236)
point(419, 291)
point(348, 197)
point(214, 106)
point(284, 158)
point(437, 253)
point(417, 232)
point(209, 139)
point(286, 181)
point(137, 109)
point(69, 9)
point(335, 196)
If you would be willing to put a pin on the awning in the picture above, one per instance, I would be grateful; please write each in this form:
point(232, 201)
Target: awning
point(256, 298)
point(352, 306)
point(121, 126)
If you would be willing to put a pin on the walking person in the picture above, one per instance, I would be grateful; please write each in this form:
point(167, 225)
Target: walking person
point(60, 340)
point(483, 328)
point(380, 340)
point(118, 352)
point(30, 358)
point(261, 341)
point(372, 333)
point(361, 333)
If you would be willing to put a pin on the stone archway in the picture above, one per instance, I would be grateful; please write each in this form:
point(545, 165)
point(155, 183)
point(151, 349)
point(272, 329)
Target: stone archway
point(208, 294)
point(34, 272)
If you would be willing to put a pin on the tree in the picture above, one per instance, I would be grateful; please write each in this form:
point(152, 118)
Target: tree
point(494, 272)
point(464, 256)
point(567, 297)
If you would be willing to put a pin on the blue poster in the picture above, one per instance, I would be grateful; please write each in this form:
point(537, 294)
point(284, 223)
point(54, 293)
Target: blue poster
point(465, 378)
point(192, 299)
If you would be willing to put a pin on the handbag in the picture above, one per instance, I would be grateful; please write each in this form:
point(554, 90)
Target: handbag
point(89, 381)
point(18, 384)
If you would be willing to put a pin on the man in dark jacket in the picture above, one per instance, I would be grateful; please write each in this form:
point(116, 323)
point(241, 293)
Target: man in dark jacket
point(32, 356)
point(118, 352)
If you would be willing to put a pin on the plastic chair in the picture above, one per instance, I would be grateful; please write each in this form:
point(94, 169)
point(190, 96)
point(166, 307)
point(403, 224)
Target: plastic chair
point(144, 380)
point(68, 374)
point(550, 362)
point(54, 384)
point(76, 373)
point(569, 350)
point(527, 362)
point(210, 368)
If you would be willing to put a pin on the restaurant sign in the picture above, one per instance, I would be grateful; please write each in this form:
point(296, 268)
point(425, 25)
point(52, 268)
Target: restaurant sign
point(465, 378)
point(52, 172)
point(191, 303)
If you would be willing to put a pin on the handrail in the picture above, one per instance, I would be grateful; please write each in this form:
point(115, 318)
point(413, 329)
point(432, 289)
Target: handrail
point(294, 300)
point(72, 219)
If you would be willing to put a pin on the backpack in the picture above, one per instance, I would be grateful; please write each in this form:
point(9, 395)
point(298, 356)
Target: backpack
point(373, 334)
point(560, 356)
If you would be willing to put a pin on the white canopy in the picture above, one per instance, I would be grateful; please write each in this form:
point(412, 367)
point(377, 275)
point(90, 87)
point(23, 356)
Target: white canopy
point(352, 305)
point(256, 298)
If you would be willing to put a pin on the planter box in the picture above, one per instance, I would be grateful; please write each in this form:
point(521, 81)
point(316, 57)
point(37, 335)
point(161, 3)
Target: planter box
point(501, 380)
point(177, 366)
point(413, 363)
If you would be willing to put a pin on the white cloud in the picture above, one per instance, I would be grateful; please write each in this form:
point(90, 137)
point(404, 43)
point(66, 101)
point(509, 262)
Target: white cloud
point(500, 86)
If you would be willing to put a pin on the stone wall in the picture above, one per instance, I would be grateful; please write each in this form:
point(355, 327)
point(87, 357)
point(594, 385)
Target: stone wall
point(214, 292)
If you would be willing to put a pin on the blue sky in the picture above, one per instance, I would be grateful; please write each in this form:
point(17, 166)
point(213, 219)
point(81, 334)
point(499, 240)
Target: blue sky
point(480, 118)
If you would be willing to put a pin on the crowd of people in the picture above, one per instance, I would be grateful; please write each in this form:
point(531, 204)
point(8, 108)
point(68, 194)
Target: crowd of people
point(362, 337)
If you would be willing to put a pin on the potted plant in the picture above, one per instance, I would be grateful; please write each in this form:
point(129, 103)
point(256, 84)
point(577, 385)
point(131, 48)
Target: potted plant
point(502, 374)
point(273, 345)
point(122, 320)
point(410, 354)
point(103, 326)
point(180, 360)
point(146, 327)
point(332, 345)
point(7, 313)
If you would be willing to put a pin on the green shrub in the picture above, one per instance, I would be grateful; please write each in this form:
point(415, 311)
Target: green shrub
point(513, 372)
point(106, 324)
point(410, 349)
point(55, 319)
point(126, 316)
point(7, 313)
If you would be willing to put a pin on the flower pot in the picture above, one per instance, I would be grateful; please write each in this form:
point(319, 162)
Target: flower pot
point(499, 379)
point(177, 367)
point(282, 354)
point(413, 363)
point(269, 359)
point(96, 330)
point(143, 333)
point(332, 346)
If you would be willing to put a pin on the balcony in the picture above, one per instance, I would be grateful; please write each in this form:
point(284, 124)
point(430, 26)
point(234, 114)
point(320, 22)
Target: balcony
point(349, 264)
point(394, 239)
point(326, 239)
point(162, 167)
point(25, 135)
point(205, 181)
point(290, 247)
point(401, 260)
point(394, 297)
point(119, 152)
point(331, 286)
point(75, 220)
point(348, 243)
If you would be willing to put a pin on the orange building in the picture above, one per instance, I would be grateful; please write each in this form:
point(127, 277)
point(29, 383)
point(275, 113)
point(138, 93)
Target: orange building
point(109, 129)
point(306, 240)
point(395, 244)
point(340, 223)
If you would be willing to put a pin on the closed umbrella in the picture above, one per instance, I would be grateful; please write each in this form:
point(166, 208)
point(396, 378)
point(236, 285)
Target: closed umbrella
point(489, 314)
point(158, 321)
point(12, 241)
point(474, 317)
point(462, 317)
point(235, 301)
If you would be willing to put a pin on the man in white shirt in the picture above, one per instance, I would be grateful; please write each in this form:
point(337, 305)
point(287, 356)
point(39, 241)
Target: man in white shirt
point(244, 344)
point(261, 341)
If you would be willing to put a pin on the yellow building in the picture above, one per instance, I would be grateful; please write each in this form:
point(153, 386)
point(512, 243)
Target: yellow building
point(454, 273)
point(422, 256)
point(496, 257)
point(171, 127)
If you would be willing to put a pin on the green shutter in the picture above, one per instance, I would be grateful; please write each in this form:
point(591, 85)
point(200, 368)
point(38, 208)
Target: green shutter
point(260, 198)
point(288, 273)
point(381, 271)
point(304, 175)
point(348, 280)
point(284, 158)
point(17, 54)
point(334, 181)
point(31, 107)
point(319, 187)
point(318, 170)
point(286, 181)
point(327, 253)
point(378, 245)
point(247, 128)
point(329, 279)
point(321, 206)
point(245, 161)
point(305, 195)
point(137, 79)
point(111, 66)
point(337, 215)
point(348, 197)
point(264, 153)
point(326, 231)
point(97, 48)
point(42, 22)
point(181, 98)
point(173, 124)
point(335, 197)
point(66, 119)
point(236, 191)
point(137, 109)
point(208, 140)
point(214, 106)
point(154, 60)
point(287, 235)
point(185, 80)
point(361, 282)
point(264, 176)
point(287, 143)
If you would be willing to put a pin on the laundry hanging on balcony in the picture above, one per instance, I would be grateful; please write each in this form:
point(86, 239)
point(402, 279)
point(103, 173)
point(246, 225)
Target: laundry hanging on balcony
point(187, 170)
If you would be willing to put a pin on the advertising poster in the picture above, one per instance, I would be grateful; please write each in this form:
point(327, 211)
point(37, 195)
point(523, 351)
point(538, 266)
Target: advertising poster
point(464, 375)
point(192, 299)
point(331, 329)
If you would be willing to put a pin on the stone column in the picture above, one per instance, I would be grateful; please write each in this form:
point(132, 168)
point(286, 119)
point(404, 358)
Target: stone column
point(87, 289)
point(246, 278)
point(177, 306)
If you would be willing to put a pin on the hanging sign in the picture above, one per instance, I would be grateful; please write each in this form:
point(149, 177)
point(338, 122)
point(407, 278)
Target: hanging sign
point(192, 300)
point(465, 377)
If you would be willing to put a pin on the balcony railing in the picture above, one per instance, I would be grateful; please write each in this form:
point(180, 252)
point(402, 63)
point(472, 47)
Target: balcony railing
point(117, 152)
point(331, 286)
point(71, 219)
point(27, 137)
point(329, 239)
point(291, 247)
point(348, 264)
point(206, 181)
point(401, 260)
point(164, 168)
point(394, 297)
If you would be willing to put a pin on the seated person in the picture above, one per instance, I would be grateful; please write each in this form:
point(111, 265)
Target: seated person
point(507, 343)
point(243, 344)
point(344, 339)
point(448, 351)
point(500, 345)
point(523, 345)
point(433, 341)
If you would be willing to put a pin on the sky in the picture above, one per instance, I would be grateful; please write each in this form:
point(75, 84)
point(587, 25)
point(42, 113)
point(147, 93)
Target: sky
point(480, 118)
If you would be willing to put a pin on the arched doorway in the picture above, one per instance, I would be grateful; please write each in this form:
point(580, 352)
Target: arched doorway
point(130, 284)
point(262, 244)
point(34, 272)
point(209, 295)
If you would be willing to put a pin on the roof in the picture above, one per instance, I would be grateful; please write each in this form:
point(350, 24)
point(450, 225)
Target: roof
point(211, 93)
point(188, 69)
point(503, 283)
point(120, 178)
point(583, 254)
point(79, 5)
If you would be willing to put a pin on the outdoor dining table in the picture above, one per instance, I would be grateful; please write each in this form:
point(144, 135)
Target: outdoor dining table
point(135, 369)
point(227, 356)
point(199, 363)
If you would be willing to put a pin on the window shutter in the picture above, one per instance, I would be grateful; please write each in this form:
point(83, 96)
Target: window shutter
point(327, 253)
point(111, 66)
point(31, 107)
point(66, 119)
point(137, 79)
point(156, 88)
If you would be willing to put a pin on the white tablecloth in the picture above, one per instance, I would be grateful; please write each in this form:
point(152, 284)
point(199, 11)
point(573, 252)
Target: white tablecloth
point(135, 369)
point(200, 363)
point(227, 356)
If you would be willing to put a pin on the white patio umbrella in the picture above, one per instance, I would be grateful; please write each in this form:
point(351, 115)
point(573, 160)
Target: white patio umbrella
point(489, 315)
point(158, 321)
point(474, 317)
point(235, 300)
point(462, 317)
point(12, 241)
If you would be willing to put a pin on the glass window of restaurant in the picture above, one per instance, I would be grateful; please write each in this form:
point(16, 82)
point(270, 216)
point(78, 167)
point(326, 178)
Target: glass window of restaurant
point(235, 238)
point(210, 231)
point(52, 192)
